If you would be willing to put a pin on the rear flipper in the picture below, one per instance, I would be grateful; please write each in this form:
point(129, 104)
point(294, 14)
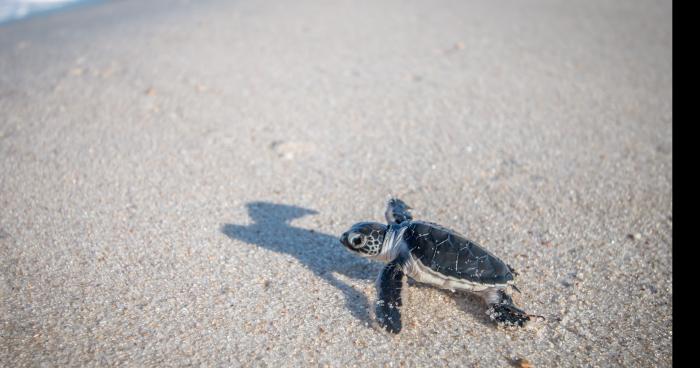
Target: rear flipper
point(503, 311)
point(507, 315)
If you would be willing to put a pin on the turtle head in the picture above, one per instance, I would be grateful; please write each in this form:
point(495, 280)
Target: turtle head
point(365, 238)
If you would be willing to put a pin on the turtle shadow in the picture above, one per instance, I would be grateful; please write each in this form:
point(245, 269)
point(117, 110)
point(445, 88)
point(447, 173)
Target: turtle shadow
point(320, 253)
point(467, 302)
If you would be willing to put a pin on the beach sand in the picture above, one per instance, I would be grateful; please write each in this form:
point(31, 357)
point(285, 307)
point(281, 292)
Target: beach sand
point(174, 177)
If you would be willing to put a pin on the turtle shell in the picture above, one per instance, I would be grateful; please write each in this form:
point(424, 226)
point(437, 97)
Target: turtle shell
point(451, 254)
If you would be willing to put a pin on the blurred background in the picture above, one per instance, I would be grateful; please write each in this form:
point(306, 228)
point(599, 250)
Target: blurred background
point(174, 176)
point(18, 9)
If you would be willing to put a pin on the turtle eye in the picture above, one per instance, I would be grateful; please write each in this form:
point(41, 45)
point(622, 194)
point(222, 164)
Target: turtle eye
point(356, 240)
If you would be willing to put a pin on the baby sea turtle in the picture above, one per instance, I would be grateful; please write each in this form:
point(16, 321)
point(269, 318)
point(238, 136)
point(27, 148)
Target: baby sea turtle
point(432, 254)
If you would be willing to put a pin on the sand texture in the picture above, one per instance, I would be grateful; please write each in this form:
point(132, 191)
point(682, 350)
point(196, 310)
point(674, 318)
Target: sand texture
point(174, 176)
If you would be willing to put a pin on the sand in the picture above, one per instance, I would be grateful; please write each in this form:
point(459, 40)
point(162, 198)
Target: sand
point(174, 177)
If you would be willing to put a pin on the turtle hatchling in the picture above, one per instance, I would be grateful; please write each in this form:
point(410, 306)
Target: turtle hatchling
point(431, 254)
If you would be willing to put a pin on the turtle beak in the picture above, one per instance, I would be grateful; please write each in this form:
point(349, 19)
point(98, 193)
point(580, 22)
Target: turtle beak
point(344, 239)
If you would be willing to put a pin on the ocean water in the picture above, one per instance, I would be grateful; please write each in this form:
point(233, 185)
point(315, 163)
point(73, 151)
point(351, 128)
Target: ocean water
point(18, 9)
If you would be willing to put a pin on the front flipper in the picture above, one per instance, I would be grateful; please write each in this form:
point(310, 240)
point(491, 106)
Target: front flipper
point(397, 211)
point(389, 284)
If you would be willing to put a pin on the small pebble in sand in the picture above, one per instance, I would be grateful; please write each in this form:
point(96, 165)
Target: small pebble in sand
point(522, 363)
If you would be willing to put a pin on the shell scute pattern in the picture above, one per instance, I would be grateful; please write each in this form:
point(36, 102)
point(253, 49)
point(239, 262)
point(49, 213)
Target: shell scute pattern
point(449, 253)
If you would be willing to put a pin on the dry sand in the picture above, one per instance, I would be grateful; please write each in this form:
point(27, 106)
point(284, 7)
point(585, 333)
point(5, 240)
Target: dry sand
point(173, 177)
